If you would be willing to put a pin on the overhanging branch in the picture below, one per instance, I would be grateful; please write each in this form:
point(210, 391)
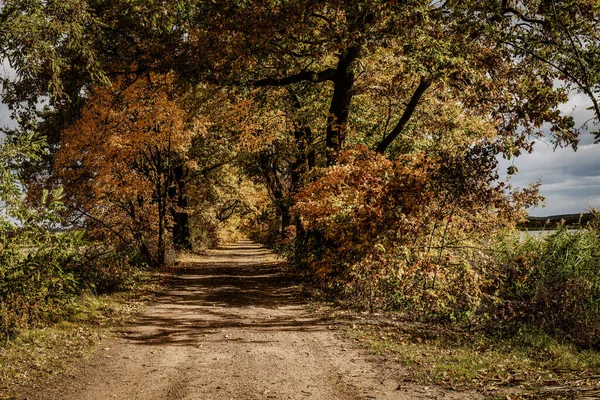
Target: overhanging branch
point(408, 112)
point(305, 76)
point(513, 11)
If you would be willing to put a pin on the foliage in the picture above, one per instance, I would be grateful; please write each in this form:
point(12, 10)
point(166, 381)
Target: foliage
point(48, 40)
point(33, 279)
point(43, 266)
point(410, 233)
point(361, 137)
point(224, 204)
point(144, 138)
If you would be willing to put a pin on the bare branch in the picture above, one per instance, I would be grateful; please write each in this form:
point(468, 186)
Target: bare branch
point(522, 17)
point(90, 216)
point(324, 18)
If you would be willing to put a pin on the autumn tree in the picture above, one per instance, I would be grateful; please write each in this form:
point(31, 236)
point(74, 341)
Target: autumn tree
point(123, 162)
point(378, 70)
point(492, 55)
point(470, 49)
point(483, 50)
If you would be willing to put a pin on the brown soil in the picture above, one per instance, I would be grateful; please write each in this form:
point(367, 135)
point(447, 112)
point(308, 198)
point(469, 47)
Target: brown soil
point(231, 325)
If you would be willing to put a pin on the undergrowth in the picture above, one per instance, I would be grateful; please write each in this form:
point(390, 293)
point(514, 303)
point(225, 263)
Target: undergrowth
point(530, 364)
point(530, 329)
point(37, 353)
point(551, 282)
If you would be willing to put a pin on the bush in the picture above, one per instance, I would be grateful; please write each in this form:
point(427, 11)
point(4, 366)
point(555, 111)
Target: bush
point(410, 234)
point(43, 267)
point(103, 269)
point(36, 283)
point(41, 281)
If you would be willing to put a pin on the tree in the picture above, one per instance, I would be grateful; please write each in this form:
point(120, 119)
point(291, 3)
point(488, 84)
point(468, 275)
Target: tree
point(39, 265)
point(462, 49)
point(416, 98)
point(502, 58)
point(123, 162)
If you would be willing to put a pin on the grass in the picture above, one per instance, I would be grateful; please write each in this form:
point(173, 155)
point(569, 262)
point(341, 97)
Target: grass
point(35, 355)
point(524, 366)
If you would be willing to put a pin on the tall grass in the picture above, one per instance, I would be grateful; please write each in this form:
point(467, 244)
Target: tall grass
point(553, 282)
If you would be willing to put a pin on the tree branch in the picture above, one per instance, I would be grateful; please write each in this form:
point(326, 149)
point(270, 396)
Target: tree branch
point(408, 112)
point(584, 70)
point(86, 214)
point(224, 214)
point(522, 17)
point(581, 85)
point(322, 17)
point(305, 76)
point(206, 170)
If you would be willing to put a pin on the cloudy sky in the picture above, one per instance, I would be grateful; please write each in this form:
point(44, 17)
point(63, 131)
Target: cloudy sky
point(570, 180)
point(5, 71)
point(4, 116)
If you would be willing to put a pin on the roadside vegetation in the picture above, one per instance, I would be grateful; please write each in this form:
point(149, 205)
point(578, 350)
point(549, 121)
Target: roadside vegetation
point(44, 350)
point(528, 364)
point(535, 337)
point(360, 139)
point(60, 294)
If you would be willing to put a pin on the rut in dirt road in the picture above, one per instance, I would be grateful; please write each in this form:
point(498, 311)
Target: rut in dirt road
point(230, 325)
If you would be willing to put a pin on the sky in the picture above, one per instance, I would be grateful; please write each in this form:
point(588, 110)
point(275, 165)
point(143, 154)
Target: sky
point(570, 180)
point(5, 117)
point(5, 71)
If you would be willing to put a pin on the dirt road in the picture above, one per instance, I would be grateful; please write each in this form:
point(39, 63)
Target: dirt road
point(229, 325)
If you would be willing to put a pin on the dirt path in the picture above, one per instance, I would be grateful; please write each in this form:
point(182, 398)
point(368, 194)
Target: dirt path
point(230, 326)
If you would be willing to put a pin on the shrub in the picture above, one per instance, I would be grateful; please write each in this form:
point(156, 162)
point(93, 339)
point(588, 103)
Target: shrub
point(43, 267)
point(37, 276)
point(42, 273)
point(412, 234)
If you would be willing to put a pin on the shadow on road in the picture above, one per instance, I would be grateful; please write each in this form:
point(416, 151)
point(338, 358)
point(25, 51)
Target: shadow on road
point(238, 286)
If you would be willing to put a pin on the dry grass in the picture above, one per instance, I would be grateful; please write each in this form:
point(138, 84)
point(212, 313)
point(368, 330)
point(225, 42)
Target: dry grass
point(530, 365)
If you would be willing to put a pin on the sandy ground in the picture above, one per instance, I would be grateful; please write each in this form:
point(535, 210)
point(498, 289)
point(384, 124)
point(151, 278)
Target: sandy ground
point(231, 325)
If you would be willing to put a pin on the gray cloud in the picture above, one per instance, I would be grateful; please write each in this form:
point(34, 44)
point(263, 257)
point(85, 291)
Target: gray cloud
point(570, 179)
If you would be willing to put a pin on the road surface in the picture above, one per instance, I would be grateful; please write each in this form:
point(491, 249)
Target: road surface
point(230, 325)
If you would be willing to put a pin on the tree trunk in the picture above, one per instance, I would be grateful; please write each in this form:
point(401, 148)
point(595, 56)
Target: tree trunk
point(343, 91)
point(181, 218)
point(305, 161)
point(286, 220)
point(160, 260)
